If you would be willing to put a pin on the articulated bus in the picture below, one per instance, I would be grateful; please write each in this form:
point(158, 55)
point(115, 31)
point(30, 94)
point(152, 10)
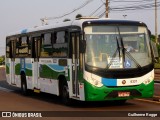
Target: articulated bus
point(85, 59)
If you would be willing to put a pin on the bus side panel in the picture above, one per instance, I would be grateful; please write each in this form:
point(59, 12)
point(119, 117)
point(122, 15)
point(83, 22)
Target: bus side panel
point(28, 73)
point(17, 72)
point(49, 70)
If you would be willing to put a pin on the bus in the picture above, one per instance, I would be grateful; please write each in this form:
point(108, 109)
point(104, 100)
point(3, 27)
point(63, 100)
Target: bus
point(85, 59)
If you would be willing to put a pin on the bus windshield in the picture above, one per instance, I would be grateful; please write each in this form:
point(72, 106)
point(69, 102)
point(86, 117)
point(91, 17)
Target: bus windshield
point(117, 47)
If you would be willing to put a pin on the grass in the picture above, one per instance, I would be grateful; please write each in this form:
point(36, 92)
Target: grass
point(157, 65)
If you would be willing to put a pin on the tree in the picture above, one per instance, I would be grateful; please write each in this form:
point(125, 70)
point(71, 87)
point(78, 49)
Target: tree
point(158, 46)
point(2, 59)
point(153, 38)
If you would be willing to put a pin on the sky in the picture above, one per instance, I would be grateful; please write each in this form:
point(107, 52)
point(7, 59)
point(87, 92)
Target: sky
point(20, 14)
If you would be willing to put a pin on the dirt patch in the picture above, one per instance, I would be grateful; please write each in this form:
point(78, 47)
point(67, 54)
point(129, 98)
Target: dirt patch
point(2, 73)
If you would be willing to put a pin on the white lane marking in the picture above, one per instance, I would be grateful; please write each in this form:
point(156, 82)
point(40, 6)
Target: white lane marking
point(5, 89)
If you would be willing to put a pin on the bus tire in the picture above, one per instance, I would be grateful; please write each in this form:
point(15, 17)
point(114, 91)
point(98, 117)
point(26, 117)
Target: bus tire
point(24, 89)
point(64, 93)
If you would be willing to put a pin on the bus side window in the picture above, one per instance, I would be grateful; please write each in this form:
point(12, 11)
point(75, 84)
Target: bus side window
point(36, 46)
point(22, 47)
point(46, 50)
point(18, 42)
point(8, 48)
point(29, 46)
point(60, 44)
point(13, 47)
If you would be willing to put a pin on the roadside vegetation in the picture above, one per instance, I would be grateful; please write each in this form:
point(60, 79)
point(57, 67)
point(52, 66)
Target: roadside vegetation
point(157, 64)
point(2, 60)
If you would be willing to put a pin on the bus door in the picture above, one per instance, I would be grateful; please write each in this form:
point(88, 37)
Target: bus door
point(75, 62)
point(12, 64)
point(36, 42)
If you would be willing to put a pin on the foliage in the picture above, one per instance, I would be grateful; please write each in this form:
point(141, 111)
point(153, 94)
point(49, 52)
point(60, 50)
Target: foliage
point(153, 38)
point(2, 59)
point(158, 47)
point(156, 65)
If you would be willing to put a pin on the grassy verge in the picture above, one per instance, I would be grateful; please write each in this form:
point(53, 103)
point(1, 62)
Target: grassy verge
point(157, 65)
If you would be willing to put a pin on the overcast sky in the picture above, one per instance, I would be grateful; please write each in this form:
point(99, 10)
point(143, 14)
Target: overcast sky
point(20, 14)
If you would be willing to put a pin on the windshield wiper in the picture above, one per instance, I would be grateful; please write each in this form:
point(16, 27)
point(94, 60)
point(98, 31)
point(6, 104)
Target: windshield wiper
point(122, 45)
point(130, 56)
point(118, 47)
point(125, 51)
point(115, 53)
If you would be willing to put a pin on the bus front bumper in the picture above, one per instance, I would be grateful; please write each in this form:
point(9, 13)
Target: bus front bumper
point(104, 93)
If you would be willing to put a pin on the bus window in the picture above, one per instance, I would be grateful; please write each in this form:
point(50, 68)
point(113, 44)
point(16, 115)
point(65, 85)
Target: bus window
point(22, 47)
point(60, 46)
point(8, 48)
point(46, 50)
point(36, 47)
point(29, 46)
point(12, 47)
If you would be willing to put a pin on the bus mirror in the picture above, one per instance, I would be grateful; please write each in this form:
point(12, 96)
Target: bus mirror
point(82, 46)
point(149, 32)
point(155, 50)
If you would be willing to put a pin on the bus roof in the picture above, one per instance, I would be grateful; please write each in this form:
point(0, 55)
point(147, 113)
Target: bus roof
point(77, 22)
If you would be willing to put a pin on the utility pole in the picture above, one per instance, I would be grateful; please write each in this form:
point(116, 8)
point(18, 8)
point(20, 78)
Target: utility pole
point(156, 23)
point(107, 8)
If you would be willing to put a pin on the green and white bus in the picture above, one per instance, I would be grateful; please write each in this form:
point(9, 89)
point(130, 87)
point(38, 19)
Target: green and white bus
point(84, 59)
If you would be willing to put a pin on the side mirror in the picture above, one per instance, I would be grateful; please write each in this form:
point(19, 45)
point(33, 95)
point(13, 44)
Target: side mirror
point(149, 32)
point(82, 46)
point(155, 51)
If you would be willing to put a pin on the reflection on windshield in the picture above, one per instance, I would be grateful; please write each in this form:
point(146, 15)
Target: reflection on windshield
point(101, 50)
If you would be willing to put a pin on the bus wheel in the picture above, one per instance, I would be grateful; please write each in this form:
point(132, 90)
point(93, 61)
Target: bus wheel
point(65, 94)
point(24, 89)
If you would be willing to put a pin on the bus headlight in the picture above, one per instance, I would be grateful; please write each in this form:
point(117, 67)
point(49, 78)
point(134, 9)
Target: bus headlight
point(93, 79)
point(147, 81)
point(96, 83)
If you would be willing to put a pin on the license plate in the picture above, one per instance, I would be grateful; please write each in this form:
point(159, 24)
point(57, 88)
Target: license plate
point(123, 94)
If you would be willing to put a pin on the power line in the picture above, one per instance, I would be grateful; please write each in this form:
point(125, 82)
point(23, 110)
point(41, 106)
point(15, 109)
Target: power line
point(66, 14)
point(102, 14)
point(139, 7)
point(83, 5)
point(141, 1)
point(136, 5)
point(96, 10)
point(128, 0)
